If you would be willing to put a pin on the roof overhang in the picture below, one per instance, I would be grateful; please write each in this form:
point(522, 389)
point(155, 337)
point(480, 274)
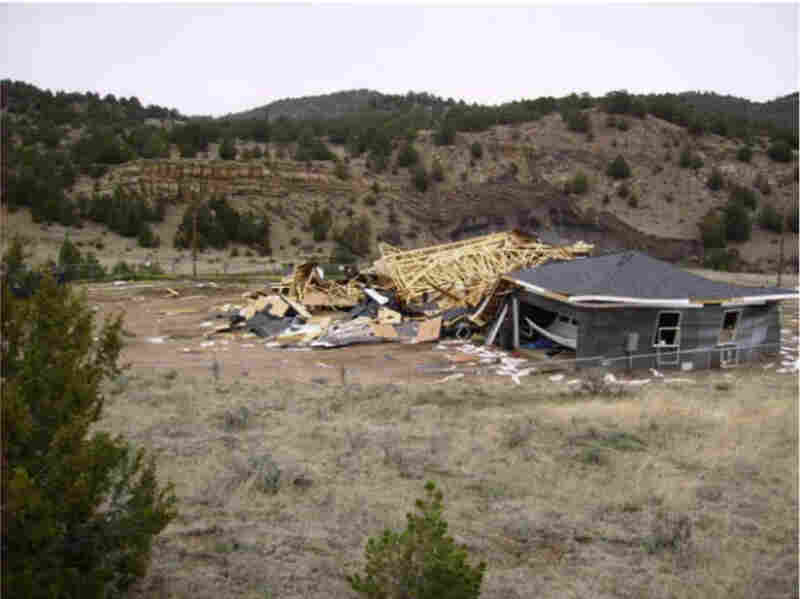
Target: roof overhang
point(605, 301)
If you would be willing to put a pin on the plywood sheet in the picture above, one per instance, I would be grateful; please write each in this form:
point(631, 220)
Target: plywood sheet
point(386, 331)
point(429, 330)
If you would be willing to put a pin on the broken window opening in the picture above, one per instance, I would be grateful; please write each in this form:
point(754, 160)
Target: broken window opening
point(730, 324)
point(668, 330)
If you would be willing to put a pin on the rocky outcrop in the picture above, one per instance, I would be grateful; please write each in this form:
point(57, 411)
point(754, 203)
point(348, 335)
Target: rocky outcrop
point(243, 179)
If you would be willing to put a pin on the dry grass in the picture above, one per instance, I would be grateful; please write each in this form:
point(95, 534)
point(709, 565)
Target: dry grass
point(675, 491)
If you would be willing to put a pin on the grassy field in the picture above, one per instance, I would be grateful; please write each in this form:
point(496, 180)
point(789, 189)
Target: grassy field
point(674, 490)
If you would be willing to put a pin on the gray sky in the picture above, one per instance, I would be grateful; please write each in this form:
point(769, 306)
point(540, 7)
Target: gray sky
point(215, 59)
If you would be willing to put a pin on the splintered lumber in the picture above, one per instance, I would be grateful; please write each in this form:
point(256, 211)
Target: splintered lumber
point(463, 272)
point(307, 285)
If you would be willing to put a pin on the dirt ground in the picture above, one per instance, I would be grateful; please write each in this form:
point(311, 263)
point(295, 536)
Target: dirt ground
point(163, 332)
point(685, 487)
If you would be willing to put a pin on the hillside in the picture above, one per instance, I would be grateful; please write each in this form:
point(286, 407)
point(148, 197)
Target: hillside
point(336, 193)
point(781, 112)
point(310, 107)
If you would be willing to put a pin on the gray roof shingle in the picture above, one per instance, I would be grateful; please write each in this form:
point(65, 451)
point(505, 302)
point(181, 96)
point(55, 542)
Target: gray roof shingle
point(632, 274)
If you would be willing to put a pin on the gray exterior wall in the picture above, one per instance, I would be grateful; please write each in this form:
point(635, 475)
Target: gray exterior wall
point(603, 333)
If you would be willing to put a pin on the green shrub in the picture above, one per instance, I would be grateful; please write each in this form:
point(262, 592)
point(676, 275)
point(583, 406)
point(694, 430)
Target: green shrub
point(712, 231)
point(686, 158)
point(619, 169)
point(342, 255)
point(738, 224)
point(146, 238)
point(121, 270)
point(150, 268)
point(92, 269)
point(476, 150)
point(70, 260)
point(445, 135)
point(719, 259)
point(577, 121)
point(780, 151)
point(744, 154)
point(420, 178)
point(770, 219)
point(715, 180)
point(419, 562)
point(744, 195)
point(227, 150)
point(578, 184)
point(408, 156)
point(80, 509)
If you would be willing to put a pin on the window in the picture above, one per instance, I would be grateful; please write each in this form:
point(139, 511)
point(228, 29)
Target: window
point(730, 322)
point(668, 329)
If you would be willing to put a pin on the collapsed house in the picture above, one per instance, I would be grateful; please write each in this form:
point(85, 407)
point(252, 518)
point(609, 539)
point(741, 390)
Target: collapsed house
point(410, 296)
point(632, 311)
point(623, 310)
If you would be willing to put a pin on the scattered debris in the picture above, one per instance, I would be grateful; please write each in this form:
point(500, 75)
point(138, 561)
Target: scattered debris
point(414, 296)
point(452, 377)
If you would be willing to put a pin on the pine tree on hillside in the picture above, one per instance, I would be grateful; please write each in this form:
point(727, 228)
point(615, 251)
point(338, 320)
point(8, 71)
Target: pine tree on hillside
point(227, 150)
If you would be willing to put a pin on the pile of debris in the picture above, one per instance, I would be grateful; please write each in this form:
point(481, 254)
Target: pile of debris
point(411, 296)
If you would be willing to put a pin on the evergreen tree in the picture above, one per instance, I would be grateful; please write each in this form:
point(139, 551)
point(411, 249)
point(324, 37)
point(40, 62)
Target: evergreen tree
point(69, 260)
point(421, 561)
point(715, 180)
point(79, 510)
point(619, 169)
point(420, 178)
point(407, 156)
point(227, 150)
point(476, 150)
point(780, 151)
point(738, 223)
point(446, 134)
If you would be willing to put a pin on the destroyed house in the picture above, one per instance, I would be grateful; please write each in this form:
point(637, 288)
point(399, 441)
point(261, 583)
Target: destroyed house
point(628, 310)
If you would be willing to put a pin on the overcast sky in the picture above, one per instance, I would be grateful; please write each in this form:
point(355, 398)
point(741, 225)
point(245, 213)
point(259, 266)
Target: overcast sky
point(215, 59)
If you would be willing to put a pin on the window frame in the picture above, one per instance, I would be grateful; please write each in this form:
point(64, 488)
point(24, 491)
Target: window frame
point(732, 340)
point(677, 328)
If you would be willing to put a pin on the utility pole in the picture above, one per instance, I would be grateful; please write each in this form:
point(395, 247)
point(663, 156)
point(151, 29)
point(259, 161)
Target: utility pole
point(780, 251)
point(197, 200)
point(194, 236)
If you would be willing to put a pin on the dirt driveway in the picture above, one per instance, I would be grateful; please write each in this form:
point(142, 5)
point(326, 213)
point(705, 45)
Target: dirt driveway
point(165, 332)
